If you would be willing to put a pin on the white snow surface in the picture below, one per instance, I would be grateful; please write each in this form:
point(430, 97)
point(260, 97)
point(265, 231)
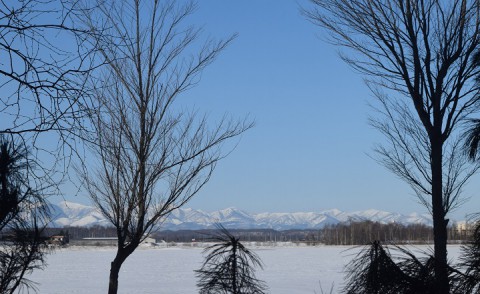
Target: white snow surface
point(74, 214)
point(287, 269)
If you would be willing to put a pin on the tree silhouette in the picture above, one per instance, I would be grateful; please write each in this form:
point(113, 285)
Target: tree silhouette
point(22, 210)
point(419, 60)
point(229, 267)
point(376, 270)
point(152, 155)
point(472, 134)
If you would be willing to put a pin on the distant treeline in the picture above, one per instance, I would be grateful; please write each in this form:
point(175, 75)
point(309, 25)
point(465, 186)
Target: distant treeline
point(75, 233)
point(248, 235)
point(364, 232)
point(352, 233)
point(260, 235)
point(359, 233)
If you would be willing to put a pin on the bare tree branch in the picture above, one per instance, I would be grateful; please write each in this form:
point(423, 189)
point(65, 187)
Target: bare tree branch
point(152, 156)
point(422, 54)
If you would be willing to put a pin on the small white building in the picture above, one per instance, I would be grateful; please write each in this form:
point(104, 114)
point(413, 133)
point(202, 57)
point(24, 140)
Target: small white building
point(149, 240)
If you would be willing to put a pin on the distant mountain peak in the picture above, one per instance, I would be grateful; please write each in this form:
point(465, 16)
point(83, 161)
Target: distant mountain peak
point(68, 213)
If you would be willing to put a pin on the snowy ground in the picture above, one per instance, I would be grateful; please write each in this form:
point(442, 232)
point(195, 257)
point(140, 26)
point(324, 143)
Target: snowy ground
point(288, 269)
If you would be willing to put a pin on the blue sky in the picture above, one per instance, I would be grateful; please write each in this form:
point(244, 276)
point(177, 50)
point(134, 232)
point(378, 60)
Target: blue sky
point(311, 147)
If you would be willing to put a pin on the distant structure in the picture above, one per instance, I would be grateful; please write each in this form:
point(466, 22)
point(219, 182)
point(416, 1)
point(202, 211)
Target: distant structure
point(461, 226)
point(103, 241)
point(58, 240)
point(149, 240)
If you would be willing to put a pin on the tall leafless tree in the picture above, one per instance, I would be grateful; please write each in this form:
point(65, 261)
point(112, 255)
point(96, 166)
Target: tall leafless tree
point(418, 58)
point(151, 156)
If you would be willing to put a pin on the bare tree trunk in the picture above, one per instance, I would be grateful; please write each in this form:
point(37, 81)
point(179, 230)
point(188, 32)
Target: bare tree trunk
point(113, 281)
point(424, 51)
point(115, 266)
point(439, 222)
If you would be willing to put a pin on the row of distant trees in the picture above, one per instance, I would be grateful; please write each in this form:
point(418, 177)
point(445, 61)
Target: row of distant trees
point(351, 233)
point(361, 233)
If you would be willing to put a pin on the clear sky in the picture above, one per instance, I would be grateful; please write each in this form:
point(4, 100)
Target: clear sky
point(311, 147)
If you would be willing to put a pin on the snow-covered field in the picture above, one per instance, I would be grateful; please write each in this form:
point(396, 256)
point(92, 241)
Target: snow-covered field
point(287, 269)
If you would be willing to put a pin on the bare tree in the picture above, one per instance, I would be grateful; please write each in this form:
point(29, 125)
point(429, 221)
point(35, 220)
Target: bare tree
point(229, 267)
point(418, 56)
point(151, 156)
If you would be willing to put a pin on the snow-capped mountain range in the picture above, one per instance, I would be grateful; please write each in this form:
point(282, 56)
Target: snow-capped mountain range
point(73, 214)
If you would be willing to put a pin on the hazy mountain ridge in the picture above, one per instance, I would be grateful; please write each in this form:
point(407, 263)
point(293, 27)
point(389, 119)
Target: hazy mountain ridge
point(74, 214)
